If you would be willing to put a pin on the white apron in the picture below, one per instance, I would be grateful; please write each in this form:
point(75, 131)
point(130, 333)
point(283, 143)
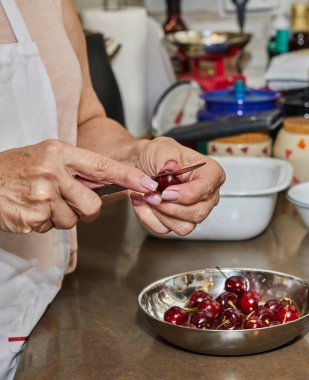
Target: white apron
point(31, 266)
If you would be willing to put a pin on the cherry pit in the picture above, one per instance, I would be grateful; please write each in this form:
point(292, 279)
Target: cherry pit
point(237, 307)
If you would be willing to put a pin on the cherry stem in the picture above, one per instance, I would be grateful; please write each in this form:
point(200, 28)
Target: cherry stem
point(225, 322)
point(232, 304)
point(249, 315)
point(191, 309)
point(286, 299)
point(286, 313)
point(219, 269)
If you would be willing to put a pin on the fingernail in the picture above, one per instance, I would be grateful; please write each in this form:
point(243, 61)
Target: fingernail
point(136, 199)
point(153, 199)
point(170, 195)
point(148, 183)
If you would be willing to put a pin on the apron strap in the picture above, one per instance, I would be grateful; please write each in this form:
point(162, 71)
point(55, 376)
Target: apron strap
point(16, 20)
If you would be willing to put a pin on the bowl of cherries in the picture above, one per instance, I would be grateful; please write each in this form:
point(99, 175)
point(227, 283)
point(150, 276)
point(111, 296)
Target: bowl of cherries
point(228, 311)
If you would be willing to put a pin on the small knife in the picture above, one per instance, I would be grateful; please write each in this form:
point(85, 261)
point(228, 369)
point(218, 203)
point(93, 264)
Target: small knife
point(114, 188)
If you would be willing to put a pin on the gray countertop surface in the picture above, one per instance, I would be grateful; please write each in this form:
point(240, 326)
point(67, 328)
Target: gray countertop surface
point(94, 329)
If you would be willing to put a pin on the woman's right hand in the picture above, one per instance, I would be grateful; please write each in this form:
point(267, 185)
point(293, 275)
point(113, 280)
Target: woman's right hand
point(39, 190)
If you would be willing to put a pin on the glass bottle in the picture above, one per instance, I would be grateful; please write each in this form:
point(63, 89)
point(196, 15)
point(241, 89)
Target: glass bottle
point(300, 27)
point(279, 22)
point(174, 22)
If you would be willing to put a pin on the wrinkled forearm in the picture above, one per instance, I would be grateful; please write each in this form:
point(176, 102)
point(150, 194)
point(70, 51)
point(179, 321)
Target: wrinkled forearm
point(107, 137)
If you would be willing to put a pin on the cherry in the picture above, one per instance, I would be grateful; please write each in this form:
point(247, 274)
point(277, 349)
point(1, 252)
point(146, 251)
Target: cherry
point(176, 315)
point(237, 284)
point(196, 298)
point(202, 319)
point(249, 301)
point(253, 322)
point(230, 319)
point(273, 303)
point(265, 314)
point(227, 300)
point(213, 306)
point(286, 313)
point(189, 325)
point(166, 180)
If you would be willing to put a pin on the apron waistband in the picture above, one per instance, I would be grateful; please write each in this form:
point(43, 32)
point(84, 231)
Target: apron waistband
point(16, 20)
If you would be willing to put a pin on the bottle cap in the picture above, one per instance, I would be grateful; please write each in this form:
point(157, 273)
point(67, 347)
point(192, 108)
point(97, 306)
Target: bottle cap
point(282, 41)
point(300, 17)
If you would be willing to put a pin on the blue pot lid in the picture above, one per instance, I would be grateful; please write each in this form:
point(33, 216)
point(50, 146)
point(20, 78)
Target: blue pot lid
point(240, 94)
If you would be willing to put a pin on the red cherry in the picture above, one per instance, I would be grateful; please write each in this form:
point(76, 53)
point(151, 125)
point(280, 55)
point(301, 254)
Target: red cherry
point(230, 319)
point(202, 319)
point(265, 314)
point(249, 301)
point(212, 306)
point(166, 181)
point(237, 284)
point(253, 322)
point(286, 313)
point(273, 303)
point(196, 298)
point(227, 300)
point(176, 315)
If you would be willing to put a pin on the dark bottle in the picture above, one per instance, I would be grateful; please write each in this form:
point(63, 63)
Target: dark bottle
point(300, 27)
point(174, 22)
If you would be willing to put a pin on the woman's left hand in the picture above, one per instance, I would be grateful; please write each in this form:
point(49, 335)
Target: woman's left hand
point(180, 207)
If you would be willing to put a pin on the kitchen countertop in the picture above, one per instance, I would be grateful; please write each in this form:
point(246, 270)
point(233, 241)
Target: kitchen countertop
point(94, 329)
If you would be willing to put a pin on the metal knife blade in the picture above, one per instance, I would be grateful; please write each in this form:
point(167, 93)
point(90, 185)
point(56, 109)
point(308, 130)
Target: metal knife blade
point(114, 188)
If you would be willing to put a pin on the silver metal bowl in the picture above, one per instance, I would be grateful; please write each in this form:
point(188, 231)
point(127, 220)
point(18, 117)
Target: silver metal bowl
point(198, 43)
point(156, 298)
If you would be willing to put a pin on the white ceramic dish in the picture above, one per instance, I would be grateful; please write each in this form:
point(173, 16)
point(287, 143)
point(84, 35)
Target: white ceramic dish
point(248, 199)
point(299, 196)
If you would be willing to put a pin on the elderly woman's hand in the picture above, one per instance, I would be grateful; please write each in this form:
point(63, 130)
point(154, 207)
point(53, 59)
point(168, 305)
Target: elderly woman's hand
point(180, 207)
point(39, 189)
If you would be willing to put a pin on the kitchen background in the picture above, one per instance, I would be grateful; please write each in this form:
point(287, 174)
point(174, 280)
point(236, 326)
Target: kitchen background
point(149, 63)
point(220, 15)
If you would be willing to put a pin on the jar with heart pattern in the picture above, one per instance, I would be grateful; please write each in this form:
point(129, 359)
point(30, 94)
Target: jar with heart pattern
point(292, 144)
point(244, 145)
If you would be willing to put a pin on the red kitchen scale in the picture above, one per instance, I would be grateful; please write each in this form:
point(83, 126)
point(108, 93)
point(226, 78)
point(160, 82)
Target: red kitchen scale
point(207, 52)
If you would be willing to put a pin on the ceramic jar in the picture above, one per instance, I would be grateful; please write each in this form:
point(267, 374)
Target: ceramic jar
point(245, 144)
point(292, 144)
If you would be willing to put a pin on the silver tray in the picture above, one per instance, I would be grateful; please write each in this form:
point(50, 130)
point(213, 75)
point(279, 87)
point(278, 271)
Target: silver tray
point(197, 43)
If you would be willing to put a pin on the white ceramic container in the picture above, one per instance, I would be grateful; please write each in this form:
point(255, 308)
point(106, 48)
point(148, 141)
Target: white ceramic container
point(299, 196)
point(220, 147)
point(248, 199)
point(292, 144)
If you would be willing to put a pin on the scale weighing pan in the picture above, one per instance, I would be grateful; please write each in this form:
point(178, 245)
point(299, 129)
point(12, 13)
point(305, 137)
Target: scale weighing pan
point(199, 43)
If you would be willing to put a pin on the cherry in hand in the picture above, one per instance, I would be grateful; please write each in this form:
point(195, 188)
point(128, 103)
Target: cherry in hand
point(166, 181)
